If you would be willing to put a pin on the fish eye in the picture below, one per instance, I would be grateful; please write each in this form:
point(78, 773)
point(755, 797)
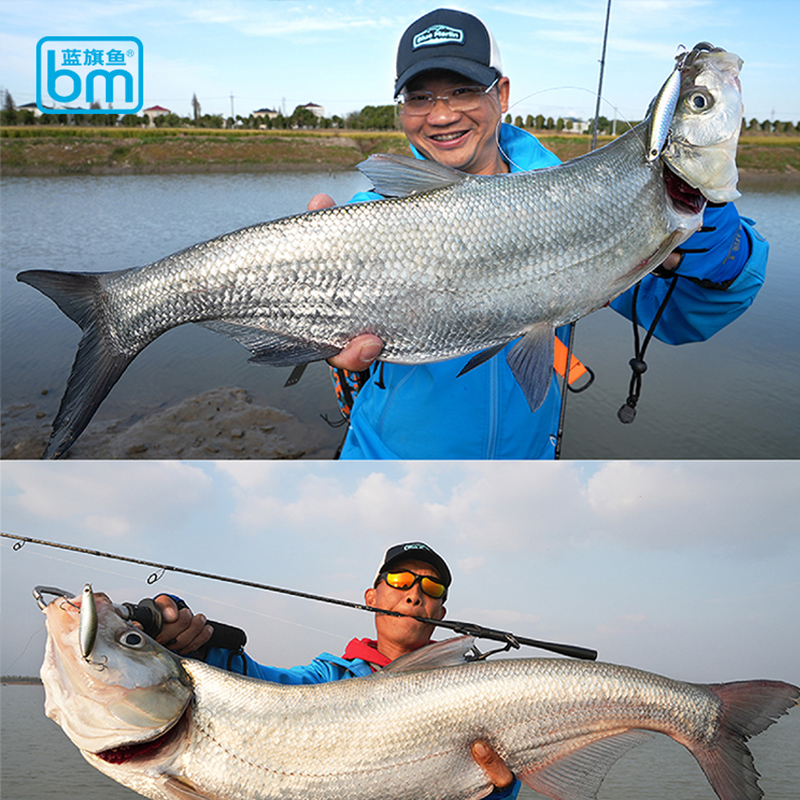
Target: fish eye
point(699, 101)
point(132, 639)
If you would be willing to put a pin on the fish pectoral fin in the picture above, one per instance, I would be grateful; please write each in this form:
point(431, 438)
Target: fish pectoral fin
point(578, 774)
point(401, 176)
point(181, 790)
point(482, 357)
point(531, 361)
point(449, 653)
point(270, 347)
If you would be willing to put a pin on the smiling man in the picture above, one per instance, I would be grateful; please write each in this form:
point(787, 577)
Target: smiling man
point(452, 93)
point(412, 579)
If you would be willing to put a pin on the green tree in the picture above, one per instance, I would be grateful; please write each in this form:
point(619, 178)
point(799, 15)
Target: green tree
point(380, 118)
point(518, 121)
point(529, 122)
point(540, 122)
point(8, 114)
point(303, 118)
point(508, 119)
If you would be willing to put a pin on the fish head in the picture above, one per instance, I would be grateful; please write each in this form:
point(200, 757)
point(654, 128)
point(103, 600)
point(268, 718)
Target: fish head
point(706, 124)
point(126, 691)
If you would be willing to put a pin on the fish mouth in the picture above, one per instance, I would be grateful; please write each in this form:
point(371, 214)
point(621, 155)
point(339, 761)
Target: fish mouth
point(684, 198)
point(127, 752)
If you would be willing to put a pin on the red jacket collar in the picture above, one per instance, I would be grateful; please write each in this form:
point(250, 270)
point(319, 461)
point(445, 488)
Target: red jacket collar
point(367, 650)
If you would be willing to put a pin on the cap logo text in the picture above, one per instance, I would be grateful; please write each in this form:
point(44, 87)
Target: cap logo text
point(437, 34)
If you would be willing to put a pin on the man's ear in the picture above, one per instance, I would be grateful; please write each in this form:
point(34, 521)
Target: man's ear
point(371, 596)
point(504, 90)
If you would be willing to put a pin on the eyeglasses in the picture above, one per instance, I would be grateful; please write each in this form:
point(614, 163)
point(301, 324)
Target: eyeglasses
point(460, 99)
point(406, 579)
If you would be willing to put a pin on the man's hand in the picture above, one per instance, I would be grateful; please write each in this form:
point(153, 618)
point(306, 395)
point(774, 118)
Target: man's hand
point(319, 201)
point(494, 766)
point(182, 631)
point(671, 261)
point(359, 353)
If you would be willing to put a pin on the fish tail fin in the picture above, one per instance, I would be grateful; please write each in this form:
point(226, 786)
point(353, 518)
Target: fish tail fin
point(98, 363)
point(748, 708)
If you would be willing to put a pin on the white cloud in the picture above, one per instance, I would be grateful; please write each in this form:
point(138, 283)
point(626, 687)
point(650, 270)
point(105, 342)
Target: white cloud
point(470, 565)
point(108, 499)
point(740, 507)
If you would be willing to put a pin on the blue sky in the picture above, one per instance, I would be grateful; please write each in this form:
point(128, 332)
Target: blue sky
point(689, 569)
point(282, 53)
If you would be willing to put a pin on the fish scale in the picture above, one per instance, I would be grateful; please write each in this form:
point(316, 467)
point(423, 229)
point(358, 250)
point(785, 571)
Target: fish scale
point(449, 264)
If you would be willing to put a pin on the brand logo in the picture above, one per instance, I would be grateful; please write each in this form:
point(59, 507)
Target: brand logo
point(78, 72)
point(437, 34)
point(416, 546)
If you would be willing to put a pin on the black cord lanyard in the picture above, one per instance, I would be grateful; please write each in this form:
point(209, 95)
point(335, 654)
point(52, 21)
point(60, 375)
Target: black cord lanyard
point(627, 412)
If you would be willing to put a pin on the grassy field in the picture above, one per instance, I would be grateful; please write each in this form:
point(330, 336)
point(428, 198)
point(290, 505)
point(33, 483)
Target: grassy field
point(61, 150)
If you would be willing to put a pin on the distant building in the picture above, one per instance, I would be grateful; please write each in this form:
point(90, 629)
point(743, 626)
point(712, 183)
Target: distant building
point(317, 111)
point(31, 107)
point(578, 125)
point(155, 111)
point(269, 113)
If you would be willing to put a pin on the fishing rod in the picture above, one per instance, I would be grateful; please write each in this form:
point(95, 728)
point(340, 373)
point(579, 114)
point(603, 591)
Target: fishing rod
point(571, 337)
point(464, 628)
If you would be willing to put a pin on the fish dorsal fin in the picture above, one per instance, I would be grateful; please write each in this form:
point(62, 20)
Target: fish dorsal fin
point(401, 176)
point(577, 775)
point(449, 653)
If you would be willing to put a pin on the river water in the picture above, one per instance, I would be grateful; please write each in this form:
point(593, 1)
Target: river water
point(39, 762)
point(735, 396)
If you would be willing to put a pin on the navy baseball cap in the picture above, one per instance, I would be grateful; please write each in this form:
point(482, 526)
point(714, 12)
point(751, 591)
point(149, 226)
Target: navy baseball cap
point(451, 40)
point(418, 551)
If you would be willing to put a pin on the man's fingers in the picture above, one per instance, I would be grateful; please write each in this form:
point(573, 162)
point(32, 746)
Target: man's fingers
point(494, 766)
point(319, 201)
point(359, 354)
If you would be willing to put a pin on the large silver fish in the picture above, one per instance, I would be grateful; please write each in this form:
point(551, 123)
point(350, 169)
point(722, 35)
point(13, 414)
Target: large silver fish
point(450, 264)
point(177, 729)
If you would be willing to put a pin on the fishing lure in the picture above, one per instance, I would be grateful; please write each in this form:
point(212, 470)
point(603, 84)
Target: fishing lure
point(663, 107)
point(87, 629)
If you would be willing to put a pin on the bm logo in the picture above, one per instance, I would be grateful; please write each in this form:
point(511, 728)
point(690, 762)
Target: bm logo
point(73, 73)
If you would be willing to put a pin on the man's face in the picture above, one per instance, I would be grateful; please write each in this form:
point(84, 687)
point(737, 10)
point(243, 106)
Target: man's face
point(464, 141)
point(406, 634)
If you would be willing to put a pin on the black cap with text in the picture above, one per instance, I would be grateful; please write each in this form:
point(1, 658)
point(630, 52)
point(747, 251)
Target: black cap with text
point(449, 40)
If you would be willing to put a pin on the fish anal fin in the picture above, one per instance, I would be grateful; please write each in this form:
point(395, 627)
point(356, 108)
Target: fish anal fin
point(401, 176)
point(181, 790)
point(578, 774)
point(271, 348)
point(449, 653)
point(531, 361)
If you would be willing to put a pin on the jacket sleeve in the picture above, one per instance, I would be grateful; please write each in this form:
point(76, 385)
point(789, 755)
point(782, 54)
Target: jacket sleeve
point(721, 271)
point(509, 793)
point(320, 670)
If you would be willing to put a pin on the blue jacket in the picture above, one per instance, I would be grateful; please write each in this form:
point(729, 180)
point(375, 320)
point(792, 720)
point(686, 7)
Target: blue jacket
point(322, 669)
point(427, 412)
